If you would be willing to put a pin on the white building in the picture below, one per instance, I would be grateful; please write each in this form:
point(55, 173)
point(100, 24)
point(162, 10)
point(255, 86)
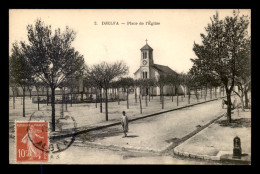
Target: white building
point(148, 69)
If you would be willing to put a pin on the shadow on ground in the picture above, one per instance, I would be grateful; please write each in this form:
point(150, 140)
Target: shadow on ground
point(101, 134)
point(132, 136)
point(236, 123)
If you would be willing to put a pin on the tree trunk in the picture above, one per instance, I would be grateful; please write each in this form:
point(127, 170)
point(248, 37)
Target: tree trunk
point(118, 99)
point(66, 100)
point(135, 96)
point(206, 92)
point(215, 88)
point(210, 92)
point(47, 96)
point(149, 93)
point(113, 94)
point(196, 93)
point(24, 102)
point(96, 96)
point(177, 93)
point(62, 104)
point(53, 108)
point(38, 101)
point(201, 92)
point(229, 105)
point(106, 104)
point(127, 102)
point(160, 94)
point(162, 99)
point(172, 94)
point(100, 100)
point(91, 95)
point(152, 92)
point(81, 97)
point(246, 99)
point(140, 101)
point(146, 103)
point(71, 98)
point(184, 90)
point(13, 100)
point(189, 98)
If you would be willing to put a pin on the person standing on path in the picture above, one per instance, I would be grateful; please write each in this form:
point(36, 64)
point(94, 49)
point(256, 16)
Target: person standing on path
point(124, 123)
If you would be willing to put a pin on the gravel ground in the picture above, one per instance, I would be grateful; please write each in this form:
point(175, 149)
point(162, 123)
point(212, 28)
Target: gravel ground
point(86, 114)
point(158, 132)
point(148, 135)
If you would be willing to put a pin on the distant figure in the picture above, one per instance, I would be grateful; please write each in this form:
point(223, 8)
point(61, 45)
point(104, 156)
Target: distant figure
point(124, 123)
point(224, 102)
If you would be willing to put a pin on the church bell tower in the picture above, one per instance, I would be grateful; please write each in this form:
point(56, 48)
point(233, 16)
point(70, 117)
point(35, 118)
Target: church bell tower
point(146, 55)
point(146, 60)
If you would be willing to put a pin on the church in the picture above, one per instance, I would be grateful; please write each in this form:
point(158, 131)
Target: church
point(148, 69)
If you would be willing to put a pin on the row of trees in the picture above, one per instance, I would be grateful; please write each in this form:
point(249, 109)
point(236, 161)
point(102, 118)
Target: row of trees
point(102, 77)
point(47, 59)
point(224, 56)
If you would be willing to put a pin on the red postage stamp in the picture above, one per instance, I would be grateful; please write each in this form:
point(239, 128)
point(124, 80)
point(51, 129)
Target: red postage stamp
point(31, 141)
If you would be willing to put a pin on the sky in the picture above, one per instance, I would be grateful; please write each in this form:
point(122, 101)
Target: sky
point(172, 38)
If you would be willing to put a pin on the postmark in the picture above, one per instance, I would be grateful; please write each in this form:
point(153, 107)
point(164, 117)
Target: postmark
point(65, 136)
point(62, 138)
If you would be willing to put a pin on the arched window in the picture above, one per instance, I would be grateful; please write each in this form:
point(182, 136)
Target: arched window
point(144, 75)
point(144, 55)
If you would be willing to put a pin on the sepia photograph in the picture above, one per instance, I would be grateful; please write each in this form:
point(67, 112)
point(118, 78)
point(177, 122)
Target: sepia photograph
point(130, 86)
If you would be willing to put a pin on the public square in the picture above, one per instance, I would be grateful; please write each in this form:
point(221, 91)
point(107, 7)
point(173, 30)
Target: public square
point(150, 140)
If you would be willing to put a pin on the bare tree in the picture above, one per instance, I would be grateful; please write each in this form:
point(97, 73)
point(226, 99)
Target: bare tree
point(37, 85)
point(151, 84)
point(189, 82)
point(139, 83)
point(146, 86)
point(126, 83)
point(161, 82)
point(104, 73)
point(13, 86)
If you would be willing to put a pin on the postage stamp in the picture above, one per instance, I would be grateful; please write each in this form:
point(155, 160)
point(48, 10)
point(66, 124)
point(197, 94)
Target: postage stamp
point(32, 141)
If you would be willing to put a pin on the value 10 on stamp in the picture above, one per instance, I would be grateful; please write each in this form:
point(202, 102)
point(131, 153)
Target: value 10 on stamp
point(32, 141)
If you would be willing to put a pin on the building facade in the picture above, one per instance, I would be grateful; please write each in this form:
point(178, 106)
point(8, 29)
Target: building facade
point(149, 70)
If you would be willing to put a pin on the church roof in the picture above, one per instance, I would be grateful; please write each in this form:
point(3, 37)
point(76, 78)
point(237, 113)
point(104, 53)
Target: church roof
point(146, 47)
point(163, 69)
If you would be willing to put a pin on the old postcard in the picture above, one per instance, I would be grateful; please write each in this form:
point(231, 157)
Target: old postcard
point(130, 86)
